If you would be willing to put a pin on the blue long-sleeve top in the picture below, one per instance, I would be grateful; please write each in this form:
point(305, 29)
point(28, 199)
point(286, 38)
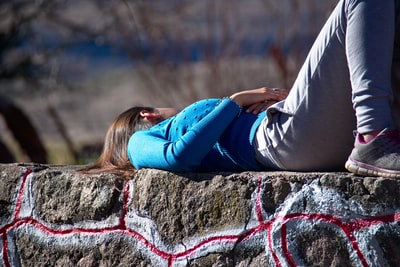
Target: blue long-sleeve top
point(209, 135)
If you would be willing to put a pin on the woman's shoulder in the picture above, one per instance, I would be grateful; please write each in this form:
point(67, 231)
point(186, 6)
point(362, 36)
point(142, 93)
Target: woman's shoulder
point(196, 111)
point(204, 103)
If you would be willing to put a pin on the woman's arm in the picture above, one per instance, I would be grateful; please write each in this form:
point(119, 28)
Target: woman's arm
point(258, 100)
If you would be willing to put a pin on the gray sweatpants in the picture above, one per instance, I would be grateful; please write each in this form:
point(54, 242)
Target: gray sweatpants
point(344, 85)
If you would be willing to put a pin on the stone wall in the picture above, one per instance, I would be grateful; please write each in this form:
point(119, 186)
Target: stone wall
point(53, 216)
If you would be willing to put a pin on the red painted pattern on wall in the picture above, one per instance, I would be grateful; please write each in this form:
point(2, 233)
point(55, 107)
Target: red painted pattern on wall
point(263, 225)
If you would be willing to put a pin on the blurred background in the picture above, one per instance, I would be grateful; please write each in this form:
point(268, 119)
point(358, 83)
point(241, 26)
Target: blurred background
point(68, 68)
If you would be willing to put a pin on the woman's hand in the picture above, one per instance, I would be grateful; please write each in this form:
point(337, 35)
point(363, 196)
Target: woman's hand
point(258, 100)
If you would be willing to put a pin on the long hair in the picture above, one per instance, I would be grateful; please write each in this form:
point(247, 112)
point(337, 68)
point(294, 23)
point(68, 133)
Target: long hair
point(114, 157)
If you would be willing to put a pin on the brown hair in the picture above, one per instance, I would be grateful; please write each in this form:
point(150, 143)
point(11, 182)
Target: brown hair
point(114, 157)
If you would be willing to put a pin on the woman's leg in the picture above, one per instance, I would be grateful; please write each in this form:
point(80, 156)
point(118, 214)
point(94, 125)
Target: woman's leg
point(313, 128)
point(369, 48)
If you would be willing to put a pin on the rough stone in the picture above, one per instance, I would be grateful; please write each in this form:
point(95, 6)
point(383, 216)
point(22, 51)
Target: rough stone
point(193, 208)
point(56, 216)
point(9, 178)
point(67, 197)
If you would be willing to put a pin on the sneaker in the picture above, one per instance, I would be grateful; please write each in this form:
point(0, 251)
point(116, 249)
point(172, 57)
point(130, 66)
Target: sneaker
point(378, 157)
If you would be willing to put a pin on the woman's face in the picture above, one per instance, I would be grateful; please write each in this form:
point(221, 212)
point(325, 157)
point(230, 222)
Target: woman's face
point(165, 113)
